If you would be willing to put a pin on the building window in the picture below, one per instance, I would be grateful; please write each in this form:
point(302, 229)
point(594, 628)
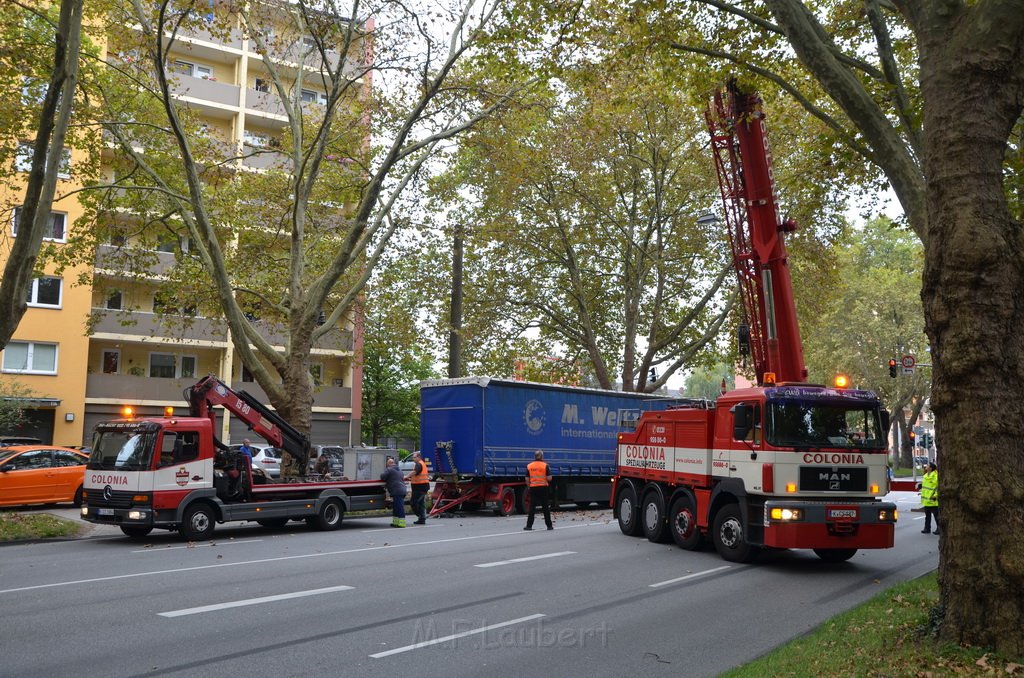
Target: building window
point(111, 361)
point(194, 70)
point(30, 357)
point(309, 96)
point(188, 367)
point(57, 230)
point(262, 85)
point(247, 376)
point(23, 160)
point(256, 140)
point(161, 365)
point(45, 292)
point(114, 301)
point(317, 370)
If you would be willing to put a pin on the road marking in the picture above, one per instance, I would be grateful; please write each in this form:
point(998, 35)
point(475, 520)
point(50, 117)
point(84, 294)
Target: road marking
point(161, 549)
point(523, 560)
point(454, 636)
point(252, 601)
point(407, 527)
point(261, 561)
point(689, 576)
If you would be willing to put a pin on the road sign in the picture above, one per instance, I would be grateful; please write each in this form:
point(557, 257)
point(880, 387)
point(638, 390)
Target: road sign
point(908, 362)
point(908, 370)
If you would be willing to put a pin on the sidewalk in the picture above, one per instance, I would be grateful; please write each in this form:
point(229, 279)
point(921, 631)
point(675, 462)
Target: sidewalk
point(71, 514)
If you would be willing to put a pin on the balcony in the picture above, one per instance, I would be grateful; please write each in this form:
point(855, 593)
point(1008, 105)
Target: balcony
point(124, 387)
point(125, 259)
point(189, 33)
point(264, 160)
point(334, 340)
point(204, 91)
point(264, 105)
point(150, 325)
point(324, 396)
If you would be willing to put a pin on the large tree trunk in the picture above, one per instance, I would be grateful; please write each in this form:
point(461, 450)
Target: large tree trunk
point(974, 310)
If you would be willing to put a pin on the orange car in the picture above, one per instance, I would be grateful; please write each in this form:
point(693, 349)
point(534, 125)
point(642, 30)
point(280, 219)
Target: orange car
point(41, 474)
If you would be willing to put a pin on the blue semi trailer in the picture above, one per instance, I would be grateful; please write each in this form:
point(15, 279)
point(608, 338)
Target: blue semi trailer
point(479, 433)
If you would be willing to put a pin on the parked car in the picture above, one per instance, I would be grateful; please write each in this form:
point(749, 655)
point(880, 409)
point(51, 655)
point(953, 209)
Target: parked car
point(335, 458)
point(41, 474)
point(266, 457)
point(7, 441)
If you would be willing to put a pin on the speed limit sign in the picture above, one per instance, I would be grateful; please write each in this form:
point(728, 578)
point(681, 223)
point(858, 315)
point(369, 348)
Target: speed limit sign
point(907, 361)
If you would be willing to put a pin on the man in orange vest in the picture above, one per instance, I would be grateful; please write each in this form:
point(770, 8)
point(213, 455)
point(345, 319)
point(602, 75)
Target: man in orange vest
point(538, 477)
point(419, 479)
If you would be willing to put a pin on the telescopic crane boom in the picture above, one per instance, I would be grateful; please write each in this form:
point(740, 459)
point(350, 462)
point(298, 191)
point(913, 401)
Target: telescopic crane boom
point(743, 159)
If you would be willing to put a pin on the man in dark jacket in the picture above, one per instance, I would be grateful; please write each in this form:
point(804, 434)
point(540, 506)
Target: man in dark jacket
point(395, 482)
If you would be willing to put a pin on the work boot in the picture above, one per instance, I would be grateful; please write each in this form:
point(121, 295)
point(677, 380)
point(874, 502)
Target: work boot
point(935, 532)
point(925, 531)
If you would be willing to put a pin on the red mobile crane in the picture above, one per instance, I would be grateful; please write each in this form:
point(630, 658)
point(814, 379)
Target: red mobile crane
point(784, 464)
point(172, 473)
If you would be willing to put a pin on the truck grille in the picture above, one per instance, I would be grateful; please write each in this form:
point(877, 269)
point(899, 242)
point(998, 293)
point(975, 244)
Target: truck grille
point(117, 499)
point(833, 479)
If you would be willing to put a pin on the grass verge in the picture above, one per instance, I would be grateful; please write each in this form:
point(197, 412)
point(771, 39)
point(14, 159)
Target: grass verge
point(16, 526)
point(891, 635)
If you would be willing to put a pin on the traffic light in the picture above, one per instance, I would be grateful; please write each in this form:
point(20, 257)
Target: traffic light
point(892, 367)
point(912, 436)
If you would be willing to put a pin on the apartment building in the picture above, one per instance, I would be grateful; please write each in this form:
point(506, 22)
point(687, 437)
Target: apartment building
point(138, 352)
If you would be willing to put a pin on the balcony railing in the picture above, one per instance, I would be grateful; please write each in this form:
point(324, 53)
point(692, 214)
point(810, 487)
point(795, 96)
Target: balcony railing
point(126, 259)
point(125, 387)
point(323, 396)
point(150, 325)
point(206, 90)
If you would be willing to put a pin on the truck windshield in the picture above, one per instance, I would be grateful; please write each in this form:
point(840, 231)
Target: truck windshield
point(798, 423)
point(123, 450)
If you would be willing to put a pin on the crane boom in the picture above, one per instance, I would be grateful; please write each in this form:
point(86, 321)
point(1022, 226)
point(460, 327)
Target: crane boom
point(743, 160)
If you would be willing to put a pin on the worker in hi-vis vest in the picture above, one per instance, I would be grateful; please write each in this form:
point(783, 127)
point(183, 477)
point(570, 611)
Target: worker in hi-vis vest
point(538, 477)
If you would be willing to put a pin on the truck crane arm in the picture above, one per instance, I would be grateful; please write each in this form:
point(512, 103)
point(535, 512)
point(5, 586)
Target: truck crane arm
point(211, 391)
point(739, 143)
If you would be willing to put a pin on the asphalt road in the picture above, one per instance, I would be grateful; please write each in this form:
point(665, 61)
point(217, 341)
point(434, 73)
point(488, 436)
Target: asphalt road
point(465, 596)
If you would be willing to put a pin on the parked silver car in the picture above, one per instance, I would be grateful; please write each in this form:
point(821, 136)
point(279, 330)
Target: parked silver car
point(266, 457)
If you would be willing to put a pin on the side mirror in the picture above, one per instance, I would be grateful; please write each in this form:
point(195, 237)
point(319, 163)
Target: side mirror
point(742, 421)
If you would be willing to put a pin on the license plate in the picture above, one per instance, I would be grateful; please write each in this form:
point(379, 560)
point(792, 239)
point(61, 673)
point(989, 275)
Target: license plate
point(842, 514)
point(104, 512)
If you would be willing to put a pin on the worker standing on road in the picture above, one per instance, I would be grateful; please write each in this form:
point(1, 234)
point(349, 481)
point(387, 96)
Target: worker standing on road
point(930, 497)
point(395, 482)
point(538, 477)
point(420, 481)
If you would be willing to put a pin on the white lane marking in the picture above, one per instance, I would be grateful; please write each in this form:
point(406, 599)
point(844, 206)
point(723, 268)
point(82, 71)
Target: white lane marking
point(689, 576)
point(523, 560)
point(455, 636)
point(252, 601)
point(407, 527)
point(161, 549)
point(261, 561)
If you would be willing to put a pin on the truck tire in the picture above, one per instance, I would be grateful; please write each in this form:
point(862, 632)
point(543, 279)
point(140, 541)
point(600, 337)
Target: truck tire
point(652, 517)
point(506, 502)
point(682, 520)
point(329, 517)
point(628, 512)
point(730, 537)
point(136, 531)
point(198, 522)
point(835, 555)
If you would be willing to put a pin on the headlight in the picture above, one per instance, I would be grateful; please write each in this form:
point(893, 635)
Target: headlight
point(85, 511)
point(889, 516)
point(137, 515)
point(786, 514)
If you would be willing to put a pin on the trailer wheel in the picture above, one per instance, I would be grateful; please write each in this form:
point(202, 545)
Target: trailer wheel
point(730, 538)
point(682, 519)
point(506, 502)
point(136, 531)
point(835, 555)
point(628, 512)
point(198, 523)
point(526, 500)
point(652, 518)
point(329, 516)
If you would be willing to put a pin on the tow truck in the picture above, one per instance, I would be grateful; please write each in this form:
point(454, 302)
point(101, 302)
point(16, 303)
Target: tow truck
point(173, 473)
point(785, 463)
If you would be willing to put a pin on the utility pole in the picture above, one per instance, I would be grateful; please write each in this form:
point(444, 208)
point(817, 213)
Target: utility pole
point(455, 333)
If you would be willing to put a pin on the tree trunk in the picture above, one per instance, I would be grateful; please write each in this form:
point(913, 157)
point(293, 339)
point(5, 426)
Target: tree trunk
point(974, 310)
